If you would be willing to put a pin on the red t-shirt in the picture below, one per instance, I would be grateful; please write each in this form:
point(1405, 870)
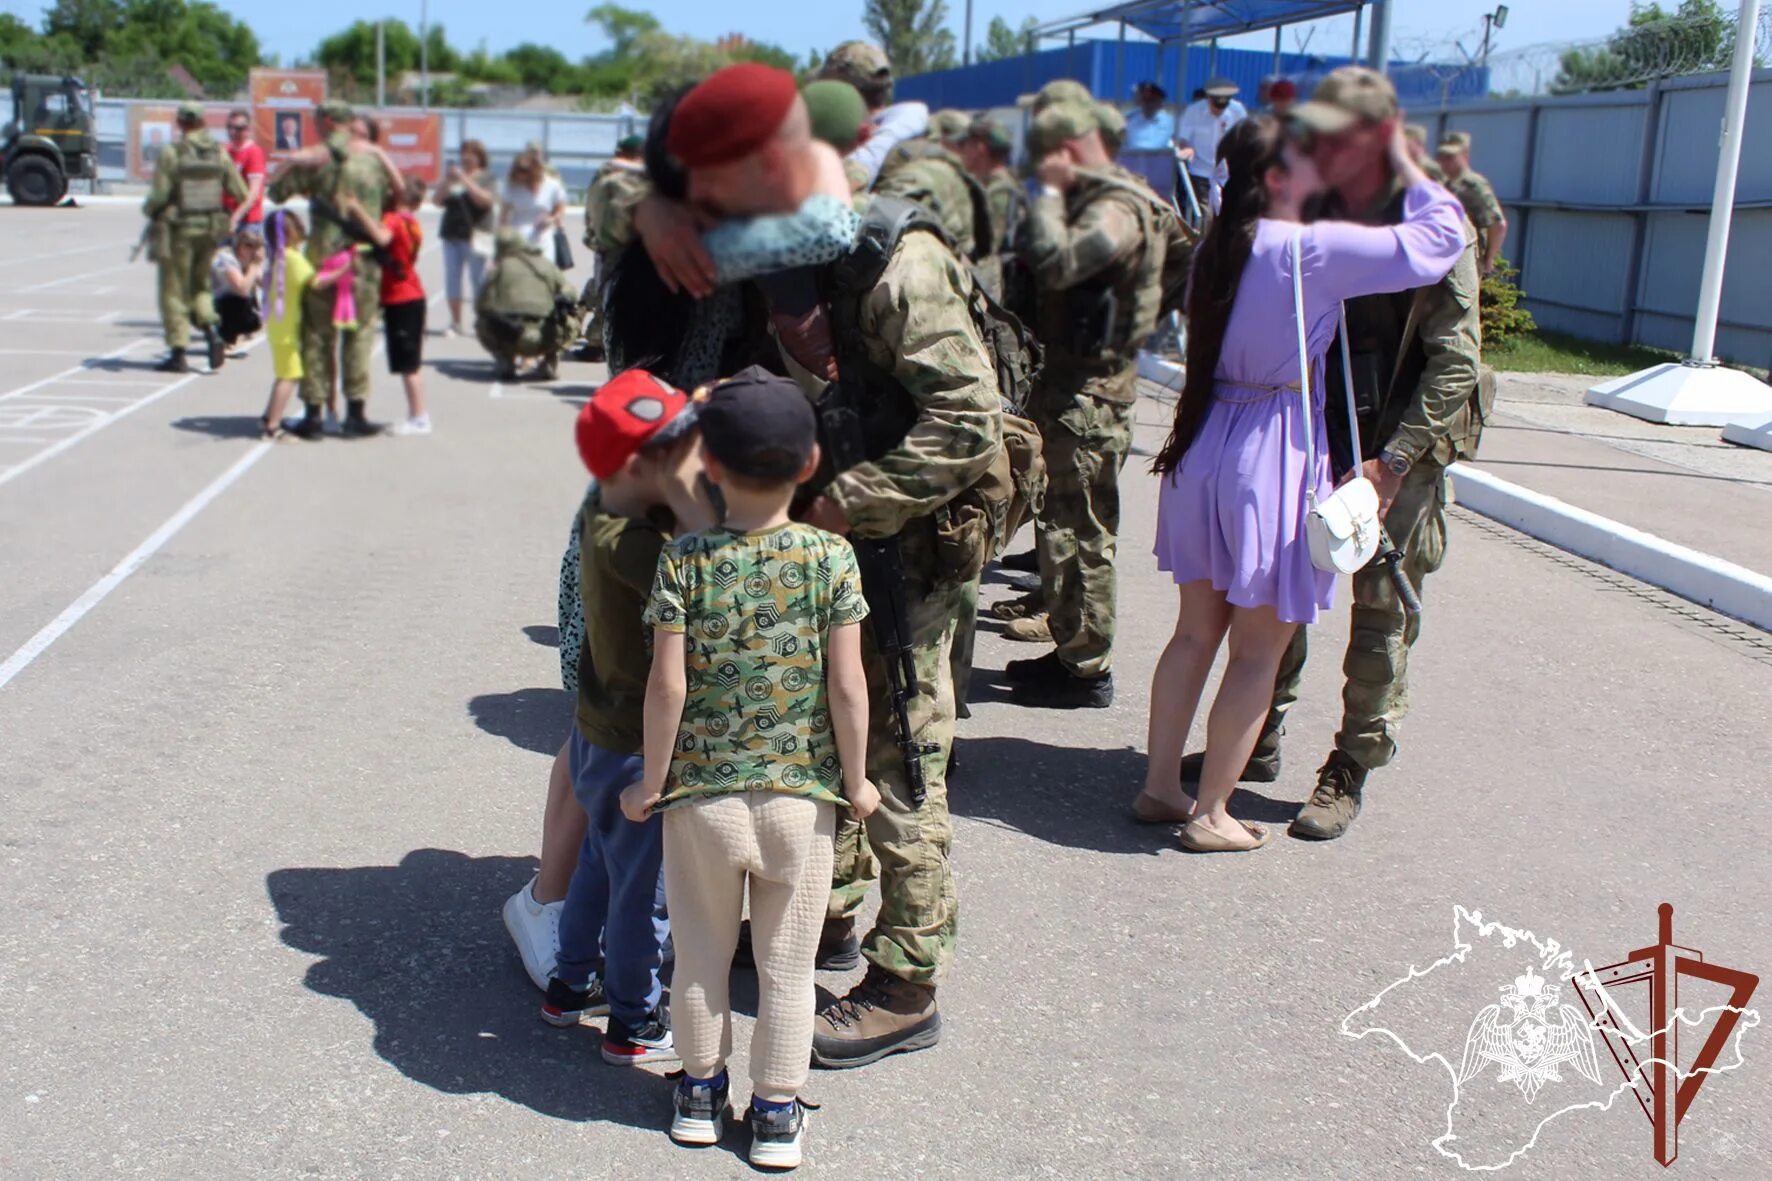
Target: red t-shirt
point(249, 158)
point(399, 278)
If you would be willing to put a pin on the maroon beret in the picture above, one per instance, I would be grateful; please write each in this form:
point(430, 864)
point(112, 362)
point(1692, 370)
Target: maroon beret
point(730, 115)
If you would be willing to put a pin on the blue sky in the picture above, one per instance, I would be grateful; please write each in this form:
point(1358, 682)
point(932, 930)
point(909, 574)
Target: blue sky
point(293, 29)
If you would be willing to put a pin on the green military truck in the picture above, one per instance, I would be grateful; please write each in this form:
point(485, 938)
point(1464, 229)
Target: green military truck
point(50, 139)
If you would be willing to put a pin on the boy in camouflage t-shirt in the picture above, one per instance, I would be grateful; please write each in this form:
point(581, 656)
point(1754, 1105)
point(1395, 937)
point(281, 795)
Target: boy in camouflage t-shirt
point(756, 732)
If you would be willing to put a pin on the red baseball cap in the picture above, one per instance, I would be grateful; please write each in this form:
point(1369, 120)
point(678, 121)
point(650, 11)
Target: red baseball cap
point(628, 414)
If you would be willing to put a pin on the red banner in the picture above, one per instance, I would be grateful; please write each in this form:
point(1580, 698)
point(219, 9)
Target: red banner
point(283, 103)
point(152, 126)
point(415, 142)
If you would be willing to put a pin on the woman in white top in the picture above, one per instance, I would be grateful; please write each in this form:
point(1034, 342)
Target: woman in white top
point(534, 202)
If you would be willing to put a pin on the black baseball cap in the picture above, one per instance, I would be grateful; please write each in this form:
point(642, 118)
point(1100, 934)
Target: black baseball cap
point(759, 425)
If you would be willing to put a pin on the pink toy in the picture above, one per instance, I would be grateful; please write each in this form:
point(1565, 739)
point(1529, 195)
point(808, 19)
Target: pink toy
point(344, 306)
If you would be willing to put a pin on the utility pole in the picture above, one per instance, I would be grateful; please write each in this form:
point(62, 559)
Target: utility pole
point(424, 54)
point(1378, 52)
point(381, 63)
point(966, 56)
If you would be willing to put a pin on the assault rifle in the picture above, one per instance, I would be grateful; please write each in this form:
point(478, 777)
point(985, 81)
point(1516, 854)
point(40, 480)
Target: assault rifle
point(844, 436)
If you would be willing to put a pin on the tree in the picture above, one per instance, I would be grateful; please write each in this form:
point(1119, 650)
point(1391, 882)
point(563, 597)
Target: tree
point(542, 67)
point(1001, 41)
point(913, 33)
point(623, 26)
point(349, 56)
point(1655, 44)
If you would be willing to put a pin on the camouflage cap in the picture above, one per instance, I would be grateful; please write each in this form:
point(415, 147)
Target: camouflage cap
point(1452, 142)
point(510, 240)
point(337, 110)
point(190, 113)
point(949, 125)
point(1112, 125)
point(857, 63)
point(992, 133)
point(1058, 124)
point(1061, 90)
point(1416, 134)
point(837, 111)
point(1350, 95)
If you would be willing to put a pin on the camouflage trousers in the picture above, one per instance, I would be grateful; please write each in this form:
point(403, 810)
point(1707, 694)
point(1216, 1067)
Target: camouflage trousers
point(960, 651)
point(1375, 696)
point(323, 342)
point(906, 848)
point(1084, 443)
point(185, 296)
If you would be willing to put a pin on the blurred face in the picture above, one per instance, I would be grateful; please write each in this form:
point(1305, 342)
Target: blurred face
point(1150, 102)
point(1088, 150)
point(1295, 181)
point(238, 129)
point(1219, 103)
point(1347, 156)
point(754, 186)
point(976, 155)
point(1282, 107)
point(1454, 163)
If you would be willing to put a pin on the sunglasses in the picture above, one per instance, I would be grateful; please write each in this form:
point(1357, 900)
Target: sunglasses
point(238, 127)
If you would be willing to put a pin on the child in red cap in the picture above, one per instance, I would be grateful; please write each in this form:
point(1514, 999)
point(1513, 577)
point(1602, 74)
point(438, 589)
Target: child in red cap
point(636, 436)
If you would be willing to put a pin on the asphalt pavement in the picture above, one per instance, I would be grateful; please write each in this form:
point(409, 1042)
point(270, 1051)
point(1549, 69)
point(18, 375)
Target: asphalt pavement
point(275, 726)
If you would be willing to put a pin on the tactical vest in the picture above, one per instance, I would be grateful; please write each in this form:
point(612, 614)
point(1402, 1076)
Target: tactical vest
point(979, 243)
point(1097, 326)
point(1388, 362)
point(970, 528)
point(201, 171)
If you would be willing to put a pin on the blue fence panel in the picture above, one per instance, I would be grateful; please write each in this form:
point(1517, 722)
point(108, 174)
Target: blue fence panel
point(1692, 120)
point(1590, 155)
point(1498, 145)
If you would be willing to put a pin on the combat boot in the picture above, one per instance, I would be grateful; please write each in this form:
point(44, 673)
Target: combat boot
point(218, 352)
point(1263, 765)
point(1026, 562)
point(881, 1015)
point(1045, 683)
point(1031, 629)
point(838, 948)
point(548, 370)
point(312, 426)
point(1335, 803)
point(1032, 603)
point(174, 363)
point(357, 424)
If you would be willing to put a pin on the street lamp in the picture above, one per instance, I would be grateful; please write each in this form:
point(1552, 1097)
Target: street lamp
point(1496, 19)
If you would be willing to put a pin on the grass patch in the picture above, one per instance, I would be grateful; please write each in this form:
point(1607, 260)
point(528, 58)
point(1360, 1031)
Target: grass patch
point(1541, 351)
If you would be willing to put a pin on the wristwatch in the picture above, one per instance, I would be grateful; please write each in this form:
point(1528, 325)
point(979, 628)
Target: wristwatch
point(1400, 464)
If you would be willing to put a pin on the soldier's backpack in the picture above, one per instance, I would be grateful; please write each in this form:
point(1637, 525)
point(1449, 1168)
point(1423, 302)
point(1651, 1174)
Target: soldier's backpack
point(200, 176)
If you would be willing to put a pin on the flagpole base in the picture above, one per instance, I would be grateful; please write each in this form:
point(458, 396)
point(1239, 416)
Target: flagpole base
point(1686, 393)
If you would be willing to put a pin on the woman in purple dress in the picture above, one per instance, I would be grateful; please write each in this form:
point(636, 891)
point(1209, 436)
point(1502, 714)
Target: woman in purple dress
point(1230, 524)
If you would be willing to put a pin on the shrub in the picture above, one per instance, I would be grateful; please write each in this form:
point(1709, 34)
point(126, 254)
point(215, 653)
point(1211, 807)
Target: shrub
point(1504, 319)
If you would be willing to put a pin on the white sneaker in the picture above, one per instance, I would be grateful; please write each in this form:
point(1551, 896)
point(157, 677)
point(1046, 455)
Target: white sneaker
point(451, 332)
point(535, 929)
point(414, 426)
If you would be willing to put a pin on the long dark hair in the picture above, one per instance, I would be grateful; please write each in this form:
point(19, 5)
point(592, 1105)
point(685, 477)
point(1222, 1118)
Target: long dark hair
point(1251, 148)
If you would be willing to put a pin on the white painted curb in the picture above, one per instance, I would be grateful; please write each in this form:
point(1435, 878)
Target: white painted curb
point(1709, 581)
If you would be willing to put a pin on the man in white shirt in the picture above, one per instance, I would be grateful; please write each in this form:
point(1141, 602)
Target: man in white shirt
point(1203, 124)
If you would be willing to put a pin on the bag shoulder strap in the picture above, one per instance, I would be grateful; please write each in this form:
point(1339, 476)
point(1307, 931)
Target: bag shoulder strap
point(1304, 367)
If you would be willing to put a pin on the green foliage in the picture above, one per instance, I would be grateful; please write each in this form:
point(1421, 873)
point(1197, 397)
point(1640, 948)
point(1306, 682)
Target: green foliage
point(349, 56)
point(1001, 41)
point(1695, 39)
point(913, 33)
point(1504, 320)
point(127, 46)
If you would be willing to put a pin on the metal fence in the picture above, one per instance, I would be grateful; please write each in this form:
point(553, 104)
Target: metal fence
point(576, 144)
point(1608, 201)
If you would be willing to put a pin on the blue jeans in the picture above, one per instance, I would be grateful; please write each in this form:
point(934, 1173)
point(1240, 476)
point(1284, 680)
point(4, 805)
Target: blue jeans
point(615, 913)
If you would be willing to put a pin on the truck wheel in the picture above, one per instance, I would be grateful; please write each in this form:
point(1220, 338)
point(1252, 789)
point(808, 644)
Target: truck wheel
point(32, 180)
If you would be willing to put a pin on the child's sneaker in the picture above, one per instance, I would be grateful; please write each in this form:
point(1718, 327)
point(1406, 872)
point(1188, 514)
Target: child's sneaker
point(567, 1006)
point(421, 425)
point(650, 1041)
point(535, 929)
point(700, 1110)
point(776, 1135)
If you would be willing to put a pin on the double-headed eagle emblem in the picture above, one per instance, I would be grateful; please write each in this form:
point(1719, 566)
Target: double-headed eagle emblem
point(1534, 1043)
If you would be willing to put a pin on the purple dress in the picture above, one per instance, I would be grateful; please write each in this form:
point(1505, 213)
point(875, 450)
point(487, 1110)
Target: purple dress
point(1233, 511)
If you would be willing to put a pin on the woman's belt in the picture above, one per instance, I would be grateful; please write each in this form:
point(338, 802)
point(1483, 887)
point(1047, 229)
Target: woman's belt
point(1256, 391)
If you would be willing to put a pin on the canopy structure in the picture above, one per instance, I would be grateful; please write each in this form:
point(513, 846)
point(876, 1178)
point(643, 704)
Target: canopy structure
point(1202, 20)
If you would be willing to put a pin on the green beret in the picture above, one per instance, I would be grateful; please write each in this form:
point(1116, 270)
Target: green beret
point(837, 111)
point(1058, 124)
point(630, 143)
point(1063, 90)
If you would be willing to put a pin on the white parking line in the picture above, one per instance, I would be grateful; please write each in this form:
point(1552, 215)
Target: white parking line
point(95, 594)
point(91, 362)
point(54, 283)
point(119, 247)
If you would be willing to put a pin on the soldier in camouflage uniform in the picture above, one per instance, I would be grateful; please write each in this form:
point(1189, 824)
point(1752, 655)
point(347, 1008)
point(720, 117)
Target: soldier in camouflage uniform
point(1476, 194)
point(1417, 366)
point(1416, 134)
point(867, 68)
point(985, 152)
point(609, 227)
point(189, 221)
point(915, 325)
point(526, 308)
point(1096, 247)
point(352, 169)
point(928, 171)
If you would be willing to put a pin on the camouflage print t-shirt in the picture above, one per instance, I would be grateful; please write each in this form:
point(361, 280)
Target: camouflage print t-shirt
point(756, 610)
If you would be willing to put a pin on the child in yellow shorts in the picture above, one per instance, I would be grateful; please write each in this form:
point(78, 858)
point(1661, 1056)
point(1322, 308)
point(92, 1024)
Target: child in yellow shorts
point(287, 279)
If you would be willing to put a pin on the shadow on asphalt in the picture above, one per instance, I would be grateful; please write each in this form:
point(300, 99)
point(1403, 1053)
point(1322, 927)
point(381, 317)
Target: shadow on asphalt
point(148, 365)
point(543, 634)
point(222, 426)
point(419, 948)
point(534, 719)
point(471, 371)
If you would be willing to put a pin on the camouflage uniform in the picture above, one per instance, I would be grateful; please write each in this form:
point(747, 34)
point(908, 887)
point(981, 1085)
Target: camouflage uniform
point(925, 173)
point(916, 325)
point(1433, 420)
point(1477, 195)
point(520, 309)
point(185, 205)
point(609, 228)
point(1417, 135)
point(1095, 241)
point(1001, 191)
point(347, 173)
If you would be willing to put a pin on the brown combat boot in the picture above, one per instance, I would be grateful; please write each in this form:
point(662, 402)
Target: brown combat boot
point(838, 948)
point(1335, 803)
point(1030, 629)
point(881, 1015)
point(1032, 603)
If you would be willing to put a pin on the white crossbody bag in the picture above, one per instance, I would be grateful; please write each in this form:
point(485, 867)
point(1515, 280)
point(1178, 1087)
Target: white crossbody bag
point(1343, 527)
